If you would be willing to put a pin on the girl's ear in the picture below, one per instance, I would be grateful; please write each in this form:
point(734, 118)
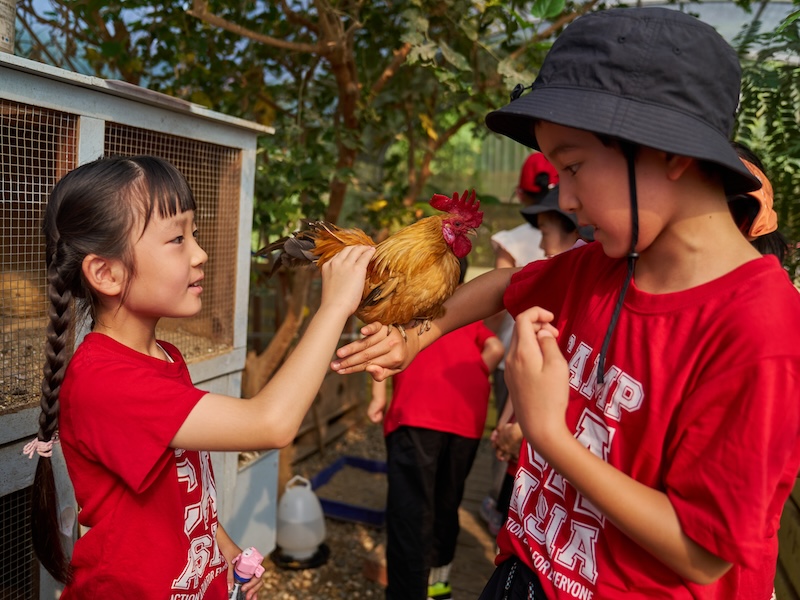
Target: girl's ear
point(105, 276)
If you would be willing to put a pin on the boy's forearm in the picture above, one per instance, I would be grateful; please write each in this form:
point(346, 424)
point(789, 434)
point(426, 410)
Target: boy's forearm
point(644, 514)
point(383, 355)
point(473, 301)
point(476, 300)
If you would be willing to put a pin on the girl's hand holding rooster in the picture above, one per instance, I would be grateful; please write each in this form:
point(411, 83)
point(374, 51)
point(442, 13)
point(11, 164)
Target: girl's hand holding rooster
point(343, 279)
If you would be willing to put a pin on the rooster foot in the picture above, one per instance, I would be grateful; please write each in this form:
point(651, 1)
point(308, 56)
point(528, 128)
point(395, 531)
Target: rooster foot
point(400, 328)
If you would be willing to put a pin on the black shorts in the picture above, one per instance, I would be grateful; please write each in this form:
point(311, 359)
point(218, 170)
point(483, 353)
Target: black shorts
point(513, 580)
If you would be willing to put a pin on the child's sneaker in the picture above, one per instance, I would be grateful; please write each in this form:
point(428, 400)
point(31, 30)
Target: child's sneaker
point(441, 590)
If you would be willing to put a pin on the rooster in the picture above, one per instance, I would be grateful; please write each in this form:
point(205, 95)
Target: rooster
point(412, 272)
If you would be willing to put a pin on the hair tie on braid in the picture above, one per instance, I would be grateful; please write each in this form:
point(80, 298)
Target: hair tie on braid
point(37, 446)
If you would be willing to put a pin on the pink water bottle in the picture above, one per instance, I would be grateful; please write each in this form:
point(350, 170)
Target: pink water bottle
point(245, 566)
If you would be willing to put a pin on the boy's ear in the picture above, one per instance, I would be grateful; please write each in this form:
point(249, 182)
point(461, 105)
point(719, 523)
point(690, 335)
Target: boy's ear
point(677, 165)
point(106, 276)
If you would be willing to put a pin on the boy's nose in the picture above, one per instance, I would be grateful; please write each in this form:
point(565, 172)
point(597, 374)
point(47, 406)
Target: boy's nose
point(567, 200)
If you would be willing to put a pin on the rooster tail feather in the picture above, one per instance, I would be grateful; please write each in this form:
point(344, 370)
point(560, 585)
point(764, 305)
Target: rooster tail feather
point(273, 247)
point(298, 249)
point(293, 251)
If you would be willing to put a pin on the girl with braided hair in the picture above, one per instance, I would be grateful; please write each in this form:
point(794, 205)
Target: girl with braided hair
point(122, 253)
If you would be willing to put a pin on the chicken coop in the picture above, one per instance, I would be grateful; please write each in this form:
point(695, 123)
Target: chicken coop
point(50, 122)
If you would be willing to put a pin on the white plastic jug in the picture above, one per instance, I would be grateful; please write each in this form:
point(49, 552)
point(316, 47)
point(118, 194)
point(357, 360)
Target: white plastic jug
point(301, 523)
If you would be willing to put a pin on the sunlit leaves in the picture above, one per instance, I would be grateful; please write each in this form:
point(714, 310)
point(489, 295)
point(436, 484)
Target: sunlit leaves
point(453, 57)
point(547, 9)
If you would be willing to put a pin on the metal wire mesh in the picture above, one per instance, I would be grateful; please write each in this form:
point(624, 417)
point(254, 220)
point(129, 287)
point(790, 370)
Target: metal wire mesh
point(213, 172)
point(37, 147)
point(19, 570)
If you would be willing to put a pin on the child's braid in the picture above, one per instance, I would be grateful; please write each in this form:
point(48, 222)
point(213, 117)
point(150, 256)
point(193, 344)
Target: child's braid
point(56, 350)
point(44, 516)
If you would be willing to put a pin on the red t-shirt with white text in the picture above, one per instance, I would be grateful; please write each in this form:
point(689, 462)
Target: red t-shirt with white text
point(151, 509)
point(700, 401)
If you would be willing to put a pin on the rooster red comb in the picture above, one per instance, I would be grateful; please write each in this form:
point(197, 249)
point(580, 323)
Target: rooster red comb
point(466, 208)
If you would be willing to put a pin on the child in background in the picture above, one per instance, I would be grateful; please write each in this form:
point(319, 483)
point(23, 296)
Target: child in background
point(560, 232)
point(433, 427)
point(514, 248)
point(122, 249)
point(654, 373)
point(519, 246)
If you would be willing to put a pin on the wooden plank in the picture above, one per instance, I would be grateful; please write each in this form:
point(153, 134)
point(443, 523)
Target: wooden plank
point(304, 448)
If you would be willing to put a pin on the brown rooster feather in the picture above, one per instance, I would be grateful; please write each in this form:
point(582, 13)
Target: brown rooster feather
point(412, 272)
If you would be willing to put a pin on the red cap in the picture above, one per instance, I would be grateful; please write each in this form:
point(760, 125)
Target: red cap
point(535, 165)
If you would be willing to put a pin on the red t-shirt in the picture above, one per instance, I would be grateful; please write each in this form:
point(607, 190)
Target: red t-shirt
point(701, 401)
point(151, 509)
point(446, 387)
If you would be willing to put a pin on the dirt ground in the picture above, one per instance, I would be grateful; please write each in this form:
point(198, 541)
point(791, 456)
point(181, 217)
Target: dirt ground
point(350, 544)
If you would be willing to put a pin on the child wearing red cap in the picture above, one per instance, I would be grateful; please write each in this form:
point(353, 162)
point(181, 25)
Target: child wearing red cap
point(514, 248)
point(654, 373)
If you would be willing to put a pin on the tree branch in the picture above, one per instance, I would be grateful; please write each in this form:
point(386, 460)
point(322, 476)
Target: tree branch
point(294, 17)
point(400, 56)
point(199, 11)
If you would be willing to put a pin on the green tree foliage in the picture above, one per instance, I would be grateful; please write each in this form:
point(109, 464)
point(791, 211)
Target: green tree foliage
point(769, 117)
point(362, 94)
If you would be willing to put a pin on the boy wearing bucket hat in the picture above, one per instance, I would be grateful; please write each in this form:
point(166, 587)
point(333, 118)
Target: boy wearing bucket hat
point(655, 374)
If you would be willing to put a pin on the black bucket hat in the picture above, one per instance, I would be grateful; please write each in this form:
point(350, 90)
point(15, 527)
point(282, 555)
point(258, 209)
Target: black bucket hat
point(653, 76)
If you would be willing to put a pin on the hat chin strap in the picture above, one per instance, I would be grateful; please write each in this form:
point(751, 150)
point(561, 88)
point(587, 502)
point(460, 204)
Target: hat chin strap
point(629, 151)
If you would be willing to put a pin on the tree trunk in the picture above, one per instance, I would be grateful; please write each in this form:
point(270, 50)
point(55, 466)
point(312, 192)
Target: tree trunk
point(259, 367)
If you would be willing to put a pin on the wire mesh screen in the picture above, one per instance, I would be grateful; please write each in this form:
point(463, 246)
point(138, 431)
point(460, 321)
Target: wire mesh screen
point(37, 147)
point(213, 172)
point(19, 570)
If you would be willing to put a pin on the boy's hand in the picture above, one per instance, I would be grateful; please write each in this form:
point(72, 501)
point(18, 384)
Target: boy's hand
point(537, 376)
point(377, 353)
